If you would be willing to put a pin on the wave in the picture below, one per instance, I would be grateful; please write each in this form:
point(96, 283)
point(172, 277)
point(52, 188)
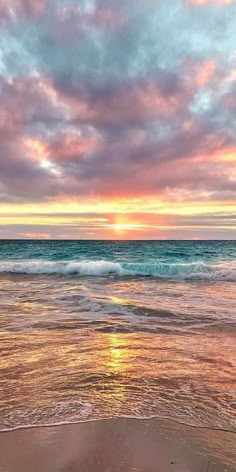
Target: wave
point(180, 270)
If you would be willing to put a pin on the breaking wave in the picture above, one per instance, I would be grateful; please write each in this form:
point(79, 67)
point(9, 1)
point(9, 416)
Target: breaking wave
point(224, 271)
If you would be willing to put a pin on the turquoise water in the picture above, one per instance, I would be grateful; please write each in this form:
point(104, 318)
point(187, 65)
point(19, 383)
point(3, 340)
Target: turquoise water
point(214, 260)
point(92, 330)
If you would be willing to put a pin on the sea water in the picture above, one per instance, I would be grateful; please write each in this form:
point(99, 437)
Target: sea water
point(99, 329)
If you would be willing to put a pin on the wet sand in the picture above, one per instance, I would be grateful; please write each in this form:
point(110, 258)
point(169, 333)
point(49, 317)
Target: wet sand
point(118, 445)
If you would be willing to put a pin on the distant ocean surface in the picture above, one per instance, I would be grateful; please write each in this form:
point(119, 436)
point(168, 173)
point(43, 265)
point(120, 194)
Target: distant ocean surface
point(98, 329)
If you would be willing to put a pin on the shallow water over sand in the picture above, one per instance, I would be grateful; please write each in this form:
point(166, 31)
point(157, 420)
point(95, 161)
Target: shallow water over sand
point(78, 348)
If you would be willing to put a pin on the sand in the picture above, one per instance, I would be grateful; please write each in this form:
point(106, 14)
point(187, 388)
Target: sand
point(118, 445)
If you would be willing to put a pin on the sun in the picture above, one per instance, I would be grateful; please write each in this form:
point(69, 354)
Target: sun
point(126, 227)
point(121, 227)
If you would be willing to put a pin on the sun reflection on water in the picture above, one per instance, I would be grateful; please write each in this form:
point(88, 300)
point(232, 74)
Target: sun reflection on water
point(118, 363)
point(120, 354)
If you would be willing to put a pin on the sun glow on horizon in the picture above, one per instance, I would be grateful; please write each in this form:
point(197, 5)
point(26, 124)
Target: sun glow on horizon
point(122, 227)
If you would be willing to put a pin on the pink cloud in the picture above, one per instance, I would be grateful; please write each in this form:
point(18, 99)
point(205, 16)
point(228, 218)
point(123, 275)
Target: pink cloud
point(205, 2)
point(34, 235)
point(26, 99)
point(125, 157)
point(109, 17)
point(130, 104)
point(71, 147)
point(205, 72)
point(200, 73)
point(22, 7)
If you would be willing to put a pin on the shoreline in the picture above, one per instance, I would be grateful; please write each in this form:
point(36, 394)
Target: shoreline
point(118, 445)
point(130, 418)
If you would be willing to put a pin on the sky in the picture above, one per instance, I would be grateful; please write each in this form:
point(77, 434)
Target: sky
point(118, 119)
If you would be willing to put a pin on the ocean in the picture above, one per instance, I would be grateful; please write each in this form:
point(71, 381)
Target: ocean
point(100, 329)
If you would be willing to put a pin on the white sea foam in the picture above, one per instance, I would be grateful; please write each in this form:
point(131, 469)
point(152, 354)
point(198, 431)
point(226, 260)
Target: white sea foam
point(225, 271)
point(96, 268)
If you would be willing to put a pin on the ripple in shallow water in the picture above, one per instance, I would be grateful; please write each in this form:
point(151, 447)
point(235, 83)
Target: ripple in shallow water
point(76, 350)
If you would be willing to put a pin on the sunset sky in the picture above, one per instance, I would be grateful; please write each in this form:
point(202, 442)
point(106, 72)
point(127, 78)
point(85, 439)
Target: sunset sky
point(118, 119)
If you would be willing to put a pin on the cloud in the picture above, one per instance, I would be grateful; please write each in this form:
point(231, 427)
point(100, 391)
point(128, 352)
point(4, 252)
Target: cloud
point(10, 9)
point(109, 100)
point(205, 72)
point(130, 103)
point(85, 141)
point(217, 2)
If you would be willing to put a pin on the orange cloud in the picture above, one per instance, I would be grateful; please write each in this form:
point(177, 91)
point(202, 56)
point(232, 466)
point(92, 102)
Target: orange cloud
point(36, 148)
point(228, 155)
point(64, 148)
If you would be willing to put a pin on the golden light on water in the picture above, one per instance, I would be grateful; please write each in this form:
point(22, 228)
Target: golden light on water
point(119, 359)
point(119, 353)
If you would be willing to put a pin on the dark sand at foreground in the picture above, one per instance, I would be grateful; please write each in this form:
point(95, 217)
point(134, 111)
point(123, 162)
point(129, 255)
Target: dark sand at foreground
point(118, 445)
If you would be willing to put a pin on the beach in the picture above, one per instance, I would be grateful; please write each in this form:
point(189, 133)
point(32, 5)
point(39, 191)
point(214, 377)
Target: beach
point(118, 445)
point(91, 332)
point(117, 236)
